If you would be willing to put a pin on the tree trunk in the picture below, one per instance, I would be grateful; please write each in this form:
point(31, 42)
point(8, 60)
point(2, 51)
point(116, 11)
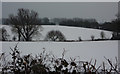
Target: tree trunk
point(19, 36)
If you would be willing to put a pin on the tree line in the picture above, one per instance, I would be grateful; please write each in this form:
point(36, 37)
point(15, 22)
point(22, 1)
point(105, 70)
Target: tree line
point(77, 22)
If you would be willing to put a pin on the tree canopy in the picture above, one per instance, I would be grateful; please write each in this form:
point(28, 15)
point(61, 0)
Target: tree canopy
point(55, 36)
point(25, 24)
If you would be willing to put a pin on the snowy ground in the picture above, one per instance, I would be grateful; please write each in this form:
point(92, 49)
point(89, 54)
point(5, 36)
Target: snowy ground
point(0, 47)
point(83, 50)
point(71, 33)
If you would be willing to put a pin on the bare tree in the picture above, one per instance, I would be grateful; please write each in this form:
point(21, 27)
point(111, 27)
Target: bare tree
point(102, 34)
point(25, 24)
point(0, 34)
point(92, 37)
point(5, 35)
point(79, 38)
point(55, 36)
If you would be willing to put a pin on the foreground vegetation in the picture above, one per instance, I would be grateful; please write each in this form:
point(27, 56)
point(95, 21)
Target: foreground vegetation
point(47, 63)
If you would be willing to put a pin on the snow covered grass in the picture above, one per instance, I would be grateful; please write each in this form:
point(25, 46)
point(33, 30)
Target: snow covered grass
point(71, 33)
point(46, 62)
point(85, 51)
point(0, 46)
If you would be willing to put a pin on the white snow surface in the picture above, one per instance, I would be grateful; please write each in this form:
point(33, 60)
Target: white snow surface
point(85, 51)
point(0, 47)
point(71, 33)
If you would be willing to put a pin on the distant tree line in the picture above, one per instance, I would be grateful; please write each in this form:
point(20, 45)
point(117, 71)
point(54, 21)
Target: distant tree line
point(77, 22)
point(113, 26)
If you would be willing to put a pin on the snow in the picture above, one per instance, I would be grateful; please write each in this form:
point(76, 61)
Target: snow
point(83, 50)
point(0, 47)
point(119, 53)
point(71, 33)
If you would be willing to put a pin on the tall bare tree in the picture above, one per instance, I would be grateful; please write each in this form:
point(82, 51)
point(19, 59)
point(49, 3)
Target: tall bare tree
point(25, 24)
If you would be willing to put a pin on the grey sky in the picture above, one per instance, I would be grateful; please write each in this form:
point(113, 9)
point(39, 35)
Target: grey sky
point(60, 0)
point(0, 12)
point(101, 11)
point(0, 9)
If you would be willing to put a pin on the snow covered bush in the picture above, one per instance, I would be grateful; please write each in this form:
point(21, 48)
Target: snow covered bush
point(47, 63)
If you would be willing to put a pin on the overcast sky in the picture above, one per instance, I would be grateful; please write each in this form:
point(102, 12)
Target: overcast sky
point(0, 9)
point(60, 0)
point(101, 11)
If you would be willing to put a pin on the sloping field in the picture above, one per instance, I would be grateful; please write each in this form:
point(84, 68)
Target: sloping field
point(71, 33)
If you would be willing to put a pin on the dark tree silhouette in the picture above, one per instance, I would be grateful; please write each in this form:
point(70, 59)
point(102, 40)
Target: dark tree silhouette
point(79, 22)
point(0, 34)
point(92, 37)
point(25, 24)
point(55, 36)
point(45, 20)
point(79, 38)
point(4, 35)
point(116, 24)
point(102, 34)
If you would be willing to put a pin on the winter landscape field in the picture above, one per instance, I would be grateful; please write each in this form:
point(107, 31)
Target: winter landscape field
point(81, 51)
point(60, 38)
point(84, 51)
point(71, 33)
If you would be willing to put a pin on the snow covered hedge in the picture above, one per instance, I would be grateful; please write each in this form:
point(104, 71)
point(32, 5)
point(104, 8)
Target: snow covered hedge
point(45, 63)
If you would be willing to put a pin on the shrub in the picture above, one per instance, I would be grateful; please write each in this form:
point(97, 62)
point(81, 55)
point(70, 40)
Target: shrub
point(46, 63)
point(55, 36)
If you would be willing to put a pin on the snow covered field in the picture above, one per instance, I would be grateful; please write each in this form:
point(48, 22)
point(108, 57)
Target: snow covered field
point(0, 47)
point(71, 33)
point(83, 50)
